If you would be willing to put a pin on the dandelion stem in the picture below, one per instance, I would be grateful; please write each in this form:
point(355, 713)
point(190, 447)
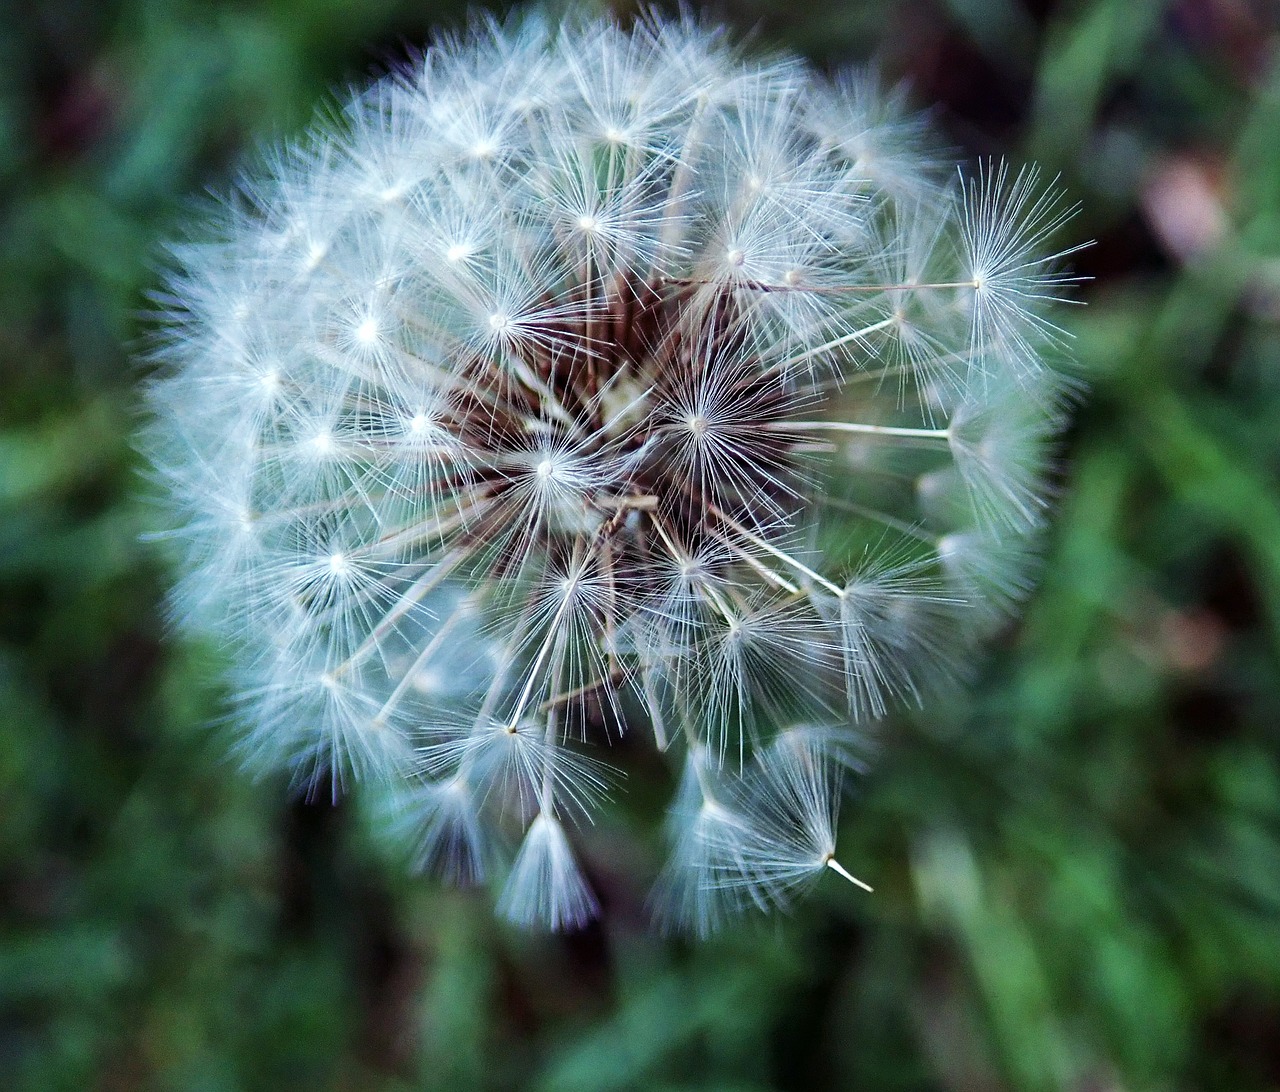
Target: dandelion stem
point(436, 528)
point(547, 398)
point(757, 564)
point(429, 650)
point(836, 343)
point(840, 870)
point(832, 289)
point(781, 555)
point(855, 426)
point(421, 587)
point(912, 530)
point(615, 676)
point(553, 635)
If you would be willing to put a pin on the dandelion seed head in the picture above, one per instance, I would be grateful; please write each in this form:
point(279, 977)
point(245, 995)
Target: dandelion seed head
point(576, 380)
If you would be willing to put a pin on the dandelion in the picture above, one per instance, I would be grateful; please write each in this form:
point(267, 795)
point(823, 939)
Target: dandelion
point(572, 381)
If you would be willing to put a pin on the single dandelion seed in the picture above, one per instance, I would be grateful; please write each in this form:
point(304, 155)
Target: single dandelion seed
point(575, 380)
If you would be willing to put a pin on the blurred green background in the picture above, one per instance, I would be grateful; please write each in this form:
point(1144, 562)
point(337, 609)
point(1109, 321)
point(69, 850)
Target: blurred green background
point(1077, 868)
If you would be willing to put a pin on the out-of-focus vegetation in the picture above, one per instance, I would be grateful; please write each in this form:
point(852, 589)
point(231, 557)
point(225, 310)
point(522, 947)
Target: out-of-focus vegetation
point(1077, 869)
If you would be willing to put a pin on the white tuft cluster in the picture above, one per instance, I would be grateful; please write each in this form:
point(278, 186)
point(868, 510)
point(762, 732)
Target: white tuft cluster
point(577, 380)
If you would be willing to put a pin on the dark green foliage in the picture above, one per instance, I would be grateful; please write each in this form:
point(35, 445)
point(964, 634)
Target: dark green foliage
point(1077, 866)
